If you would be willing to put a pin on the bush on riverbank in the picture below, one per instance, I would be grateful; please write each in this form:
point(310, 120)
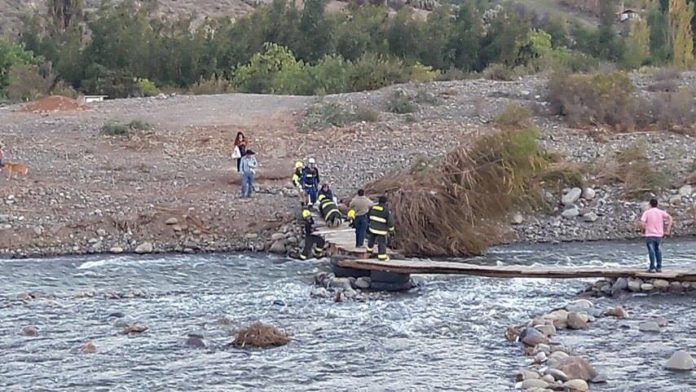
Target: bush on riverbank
point(632, 168)
point(260, 335)
point(455, 206)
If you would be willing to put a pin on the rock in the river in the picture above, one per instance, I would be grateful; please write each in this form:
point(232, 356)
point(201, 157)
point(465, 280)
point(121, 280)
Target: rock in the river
point(340, 283)
point(649, 326)
point(680, 360)
point(580, 305)
point(571, 213)
point(540, 357)
point(525, 374)
point(134, 329)
point(533, 383)
point(559, 318)
point(661, 322)
point(532, 337)
point(363, 282)
point(660, 284)
point(549, 379)
point(686, 191)
point(618, 312)
point(556, 358)
point(646, 287)
point(619, 285)
point(556, 374)
point(577, 320)
point(547, 329)
point(277, 237)
point(320, 292)
point(195, 341)
point(572, 196)
point(576, 385)
point(634, 285)
point(588, 193)
point(30, 330)
point(277, 247)
point(145, 247)
point(116, 250)
point(89, 348)
point(577, 368)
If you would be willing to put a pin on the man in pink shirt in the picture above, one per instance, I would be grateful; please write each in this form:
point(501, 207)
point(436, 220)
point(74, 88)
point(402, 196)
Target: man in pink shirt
point(653, 228)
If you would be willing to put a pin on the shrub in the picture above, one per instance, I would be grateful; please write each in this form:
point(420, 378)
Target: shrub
point(26, 82)
point(213, 85)
point(564, 174)
point(366, 114)
point(115, 129)
point(599, 98)
point(668, 73)
point(259, 75)
point(453, 74)
point(632, 168)
point(372, 72)
point(65, 90)
point(330, 75)
point(323, 115)
point(147, 88)
point(422, 73)
point(425, 97)
point(139, 125)
point(675, 110)
point(400, 103)
point(515, 116)
point(499, 72)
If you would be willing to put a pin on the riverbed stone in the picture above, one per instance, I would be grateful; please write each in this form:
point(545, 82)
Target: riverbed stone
point(675, 287)
point(649, 326)
point(556, 357)
point(533, 383)
point(686, 190)
point(588, 193)
point(646, 287)
point(559, 318)
point(576, 385)
point(556, 374)
point(540, 357)
point(30, 330)
point(583, 304)
point(89, 348)
point(145, 247)
point(577, 320)
point(571, 213)
point(171, 221)
point(547, 329)
point(660, 284)
point(619, 285)
point(195, 341)
point(548, 378)
point(278, 247)
point(277, 237)
point(320, 292)
point(340, 283)
point(545, 348)
point(363, 282)
point(517, 219)
point(661, 321)
point(680, 360)
point(525, 374)
point(572, 196)
point(532, 337)
point(116, 250)
point(576, 367)
point(618, 312)
point(634, 285)
point(590, 217)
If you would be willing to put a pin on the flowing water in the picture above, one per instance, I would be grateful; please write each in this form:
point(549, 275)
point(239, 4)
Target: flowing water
point(446, 335)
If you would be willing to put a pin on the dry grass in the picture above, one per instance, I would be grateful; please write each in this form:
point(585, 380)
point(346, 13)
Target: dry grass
point(516, 116)
point(634, 171)
point(456, 206)
point(260, 335)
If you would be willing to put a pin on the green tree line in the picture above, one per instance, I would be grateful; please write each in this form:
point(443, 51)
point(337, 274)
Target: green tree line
point(124, 50)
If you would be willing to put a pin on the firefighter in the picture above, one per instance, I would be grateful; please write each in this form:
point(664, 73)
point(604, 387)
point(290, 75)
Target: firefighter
point(314, 244)
point(380, 226)
point(329, 211)
point(297, 180)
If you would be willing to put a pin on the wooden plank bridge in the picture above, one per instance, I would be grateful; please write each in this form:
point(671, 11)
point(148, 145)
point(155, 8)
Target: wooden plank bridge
point(341, 247)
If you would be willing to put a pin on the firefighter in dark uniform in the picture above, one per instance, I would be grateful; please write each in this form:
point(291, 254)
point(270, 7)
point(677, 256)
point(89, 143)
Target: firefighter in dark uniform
point(380, 226)
point(329, 211)
point(314, 244)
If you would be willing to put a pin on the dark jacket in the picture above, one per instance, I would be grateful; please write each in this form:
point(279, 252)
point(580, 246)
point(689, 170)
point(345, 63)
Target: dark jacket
point(328, 209)
point(380, 220)
point(310, 177)
point(308, 222)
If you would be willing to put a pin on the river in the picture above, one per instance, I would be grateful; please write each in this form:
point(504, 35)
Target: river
point(445, 335)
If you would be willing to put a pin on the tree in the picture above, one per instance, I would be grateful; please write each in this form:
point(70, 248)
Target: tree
point(404, 34)
point(608, 40)
point(506, 36)
point(465, 41)
point(64, 11)
point(437, 34)
point(680, 15)
point(317, 33)
point(637, 48)
point(259, 75)
point(12, 54)
point(660, 46)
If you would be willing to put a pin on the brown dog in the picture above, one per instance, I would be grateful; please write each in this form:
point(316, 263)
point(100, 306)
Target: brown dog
point(14, 169)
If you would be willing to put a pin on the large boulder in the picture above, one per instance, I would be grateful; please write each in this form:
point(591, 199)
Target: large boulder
point(533, 383)
point(577, 320)
point(649, 326)
point(532, 337)
point(680, 360)
point(559, 318)
point(145, 247)
point(278, 247)
point(576, 367)
point(660, 284)
point(619, 285)
point(576, 386)
point(618, 312)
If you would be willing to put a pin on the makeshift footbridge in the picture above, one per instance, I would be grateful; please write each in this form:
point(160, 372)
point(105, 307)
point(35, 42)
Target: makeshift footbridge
point(394, 274)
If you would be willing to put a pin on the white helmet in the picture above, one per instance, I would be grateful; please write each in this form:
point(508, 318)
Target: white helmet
point(312, 161)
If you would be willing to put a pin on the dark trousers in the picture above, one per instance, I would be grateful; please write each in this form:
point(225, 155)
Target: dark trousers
point(238, 162)
point(313, 247)
point(360, 224)
point(381, 241)
point(311, 193)
point(654, 251)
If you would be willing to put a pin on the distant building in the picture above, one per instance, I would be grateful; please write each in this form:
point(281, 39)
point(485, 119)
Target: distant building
point(628, 15)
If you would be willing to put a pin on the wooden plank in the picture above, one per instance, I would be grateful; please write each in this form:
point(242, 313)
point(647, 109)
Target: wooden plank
point(510, 271)
point(341, 239)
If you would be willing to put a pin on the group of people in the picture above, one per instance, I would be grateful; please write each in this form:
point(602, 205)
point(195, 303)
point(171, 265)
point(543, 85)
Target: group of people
point(246, 164)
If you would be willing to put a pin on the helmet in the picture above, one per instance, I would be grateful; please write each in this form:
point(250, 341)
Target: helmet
point(321, 197)
point(299, 165)
point(311, 161)
point(351, 214)
point(306, 213)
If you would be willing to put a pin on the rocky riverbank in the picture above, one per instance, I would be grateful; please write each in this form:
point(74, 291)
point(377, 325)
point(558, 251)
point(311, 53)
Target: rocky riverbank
point(171, 186)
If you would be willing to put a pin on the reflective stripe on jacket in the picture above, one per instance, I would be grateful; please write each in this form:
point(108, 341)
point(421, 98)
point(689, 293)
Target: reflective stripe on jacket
point(328, 208)
point(380, 220)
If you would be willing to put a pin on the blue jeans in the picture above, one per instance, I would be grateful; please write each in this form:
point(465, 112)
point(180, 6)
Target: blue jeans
point(312, 193)
point(654, 251)
point(360, 224)
point(247, 184)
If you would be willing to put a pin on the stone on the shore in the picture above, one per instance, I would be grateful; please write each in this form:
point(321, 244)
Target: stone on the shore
point(590, 217)
point(680, 360)
point(540, 357)
point(634, 285)
point(171, 221)
point(572, 196)
point(340, 283)
point(277, 247)
point(556, 357)
point(676, 287)
point(618, 312)
point(116, 250)
point(649, 326)
point(646, 287)
point(525, 374)
point(660, 284)
point(145, 247)
point(532, 337)
point(686, 191)
point(89, 348)
point(277, 237)
point(576, 385)
point(363, 282)
point(320, 292)
point(548, 378)
point(547, 329)
point(582, 304)
point(559, 318)
point(571, 213)
point(545, 348)
point(533, 383)
point(30, 330)
point(577, 320)
point(619, 285)
point(577, 368)
point(588, 193)
point(556, 374)
point(517, 219)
